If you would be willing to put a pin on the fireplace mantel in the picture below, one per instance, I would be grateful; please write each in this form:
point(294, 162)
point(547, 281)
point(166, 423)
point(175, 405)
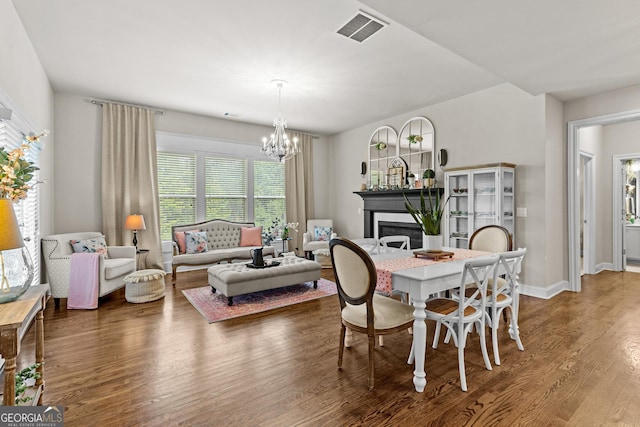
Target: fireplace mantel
point(387, 201)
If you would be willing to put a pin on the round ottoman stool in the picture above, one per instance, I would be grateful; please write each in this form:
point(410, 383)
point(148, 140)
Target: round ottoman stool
point(144, 286)
point(323, 257)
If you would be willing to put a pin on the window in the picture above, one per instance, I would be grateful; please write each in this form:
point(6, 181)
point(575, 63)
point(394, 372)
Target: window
point(177, 190)
point(201, 179)
point(27, 210)
point(268, 192)
point(226, 188)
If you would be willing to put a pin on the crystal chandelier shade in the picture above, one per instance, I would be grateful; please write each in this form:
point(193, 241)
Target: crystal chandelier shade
point(279, 146)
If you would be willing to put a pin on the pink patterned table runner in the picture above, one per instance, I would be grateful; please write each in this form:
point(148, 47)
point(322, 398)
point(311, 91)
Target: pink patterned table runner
point(386, 267)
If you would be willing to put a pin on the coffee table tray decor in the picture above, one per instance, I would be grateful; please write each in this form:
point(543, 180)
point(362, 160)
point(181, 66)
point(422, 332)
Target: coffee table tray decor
point(433, 254)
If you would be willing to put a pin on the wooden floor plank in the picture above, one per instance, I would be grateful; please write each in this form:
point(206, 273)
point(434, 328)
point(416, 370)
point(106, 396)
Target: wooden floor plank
point(161, 363)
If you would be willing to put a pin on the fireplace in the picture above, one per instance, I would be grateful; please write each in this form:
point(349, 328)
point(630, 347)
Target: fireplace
point(385, 214)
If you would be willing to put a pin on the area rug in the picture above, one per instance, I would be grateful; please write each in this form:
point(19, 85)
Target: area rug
point(214, 308)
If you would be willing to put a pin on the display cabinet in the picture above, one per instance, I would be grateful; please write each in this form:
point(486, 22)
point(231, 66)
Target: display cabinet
point(478, 196)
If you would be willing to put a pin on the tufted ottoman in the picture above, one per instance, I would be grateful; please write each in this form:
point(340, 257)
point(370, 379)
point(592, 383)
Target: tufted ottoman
point(144, 286)
point(238, 279)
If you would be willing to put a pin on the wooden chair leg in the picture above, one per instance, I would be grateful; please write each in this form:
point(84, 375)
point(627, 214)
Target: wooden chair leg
point(372, 344)
point(341, 350)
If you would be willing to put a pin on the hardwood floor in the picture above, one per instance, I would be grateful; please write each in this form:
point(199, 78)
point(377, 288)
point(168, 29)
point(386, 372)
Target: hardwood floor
point(161, 364)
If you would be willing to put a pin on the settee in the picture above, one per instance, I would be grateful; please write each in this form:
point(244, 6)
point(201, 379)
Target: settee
point(224, 242)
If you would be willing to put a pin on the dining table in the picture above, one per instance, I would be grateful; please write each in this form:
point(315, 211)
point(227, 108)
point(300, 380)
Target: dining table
point(400, 270)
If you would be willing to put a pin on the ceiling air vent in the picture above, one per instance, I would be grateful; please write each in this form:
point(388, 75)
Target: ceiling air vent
point(361, 27)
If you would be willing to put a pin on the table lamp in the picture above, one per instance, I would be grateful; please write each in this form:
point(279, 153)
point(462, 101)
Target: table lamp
point(16, 269)
point(135, 222)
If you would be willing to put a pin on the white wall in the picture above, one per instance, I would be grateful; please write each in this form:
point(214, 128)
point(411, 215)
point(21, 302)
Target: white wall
point(78, 154)
point(502, 123)
point(23, 81)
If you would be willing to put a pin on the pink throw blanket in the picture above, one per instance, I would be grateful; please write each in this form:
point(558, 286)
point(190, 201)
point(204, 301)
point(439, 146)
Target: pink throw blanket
point(84, 281)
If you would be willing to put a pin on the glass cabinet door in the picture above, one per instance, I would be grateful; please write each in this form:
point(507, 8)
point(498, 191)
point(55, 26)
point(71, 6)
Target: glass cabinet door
point(507, 200)
point(485, 210)
point(458, 223)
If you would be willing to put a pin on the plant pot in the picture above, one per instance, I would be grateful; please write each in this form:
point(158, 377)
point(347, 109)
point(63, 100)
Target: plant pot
point(432, 243)
point(429, 182)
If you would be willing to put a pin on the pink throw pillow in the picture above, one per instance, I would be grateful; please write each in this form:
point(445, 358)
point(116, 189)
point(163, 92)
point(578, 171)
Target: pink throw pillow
point(251, 236)
point(180, 240)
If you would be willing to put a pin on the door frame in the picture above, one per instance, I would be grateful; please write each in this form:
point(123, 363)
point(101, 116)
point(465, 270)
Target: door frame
point(589, 229)
point(573, 190)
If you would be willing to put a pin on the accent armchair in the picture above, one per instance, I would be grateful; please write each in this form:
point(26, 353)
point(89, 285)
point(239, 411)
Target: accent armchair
point(317, 236)
point(57, 250)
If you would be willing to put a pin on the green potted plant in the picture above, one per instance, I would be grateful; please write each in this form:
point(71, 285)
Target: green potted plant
point(414, 139)
point(26, 379)
point(429, 177)
point(429, 219)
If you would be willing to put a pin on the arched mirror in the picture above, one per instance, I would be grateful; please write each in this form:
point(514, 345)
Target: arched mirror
point(417, 142)
point(382, 150)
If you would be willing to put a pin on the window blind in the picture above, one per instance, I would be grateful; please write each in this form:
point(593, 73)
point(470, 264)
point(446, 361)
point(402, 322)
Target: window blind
point(177, 190)
point(226, 188)
point(268, 192)
point(27, 210)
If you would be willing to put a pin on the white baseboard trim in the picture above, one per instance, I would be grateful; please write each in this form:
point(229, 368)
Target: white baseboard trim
point(604, 266)
point(544, 293)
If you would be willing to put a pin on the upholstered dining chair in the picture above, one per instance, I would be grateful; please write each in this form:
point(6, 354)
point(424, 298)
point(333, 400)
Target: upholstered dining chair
point(459, 314)
point(361, 309)
point(491, 238)
point(398, 242)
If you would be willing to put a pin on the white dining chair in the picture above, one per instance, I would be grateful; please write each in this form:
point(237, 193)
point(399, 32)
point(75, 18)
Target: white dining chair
point(460, 314)
point(395, 242)
point(503, 293)
point(369, 244)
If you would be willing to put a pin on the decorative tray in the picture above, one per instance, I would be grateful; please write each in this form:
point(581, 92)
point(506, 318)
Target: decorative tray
point(271, 264)
point(433, 254)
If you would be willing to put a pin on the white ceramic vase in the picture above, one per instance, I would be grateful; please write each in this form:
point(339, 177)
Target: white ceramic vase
point(432, 243)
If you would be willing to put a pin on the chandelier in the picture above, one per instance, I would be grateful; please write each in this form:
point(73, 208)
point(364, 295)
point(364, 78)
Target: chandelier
point(278, 146)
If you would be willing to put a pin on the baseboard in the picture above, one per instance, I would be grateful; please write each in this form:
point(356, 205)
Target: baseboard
point(604, 266)
point(544, 293)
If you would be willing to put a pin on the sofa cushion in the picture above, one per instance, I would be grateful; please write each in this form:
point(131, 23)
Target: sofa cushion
point(182, 245)
point(95, 245)
point(196, 242)
point(117, 267)
point(251, 236)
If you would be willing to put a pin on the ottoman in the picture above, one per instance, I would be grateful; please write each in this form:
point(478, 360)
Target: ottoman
point(238, 279)
point(144, 286)
point(323, 257)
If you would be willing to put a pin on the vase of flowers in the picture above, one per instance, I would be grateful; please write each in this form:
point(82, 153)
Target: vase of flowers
point(429, 219)
point(16, 173)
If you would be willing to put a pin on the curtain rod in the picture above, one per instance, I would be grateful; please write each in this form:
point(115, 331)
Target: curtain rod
point(100, 102)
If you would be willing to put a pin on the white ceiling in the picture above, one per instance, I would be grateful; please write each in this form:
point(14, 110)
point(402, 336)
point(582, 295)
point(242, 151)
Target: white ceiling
point(213, 57)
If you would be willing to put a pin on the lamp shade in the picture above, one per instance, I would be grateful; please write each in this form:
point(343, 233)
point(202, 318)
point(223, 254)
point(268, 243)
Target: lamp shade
point(135, 222)
point(10, 237)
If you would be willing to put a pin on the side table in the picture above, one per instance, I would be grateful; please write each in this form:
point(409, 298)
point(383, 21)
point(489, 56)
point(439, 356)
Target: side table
point(141, 258)
point(15, 318)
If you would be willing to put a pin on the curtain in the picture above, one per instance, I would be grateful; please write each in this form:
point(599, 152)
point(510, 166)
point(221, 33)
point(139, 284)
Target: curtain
point(298, 178)
point(129, 178)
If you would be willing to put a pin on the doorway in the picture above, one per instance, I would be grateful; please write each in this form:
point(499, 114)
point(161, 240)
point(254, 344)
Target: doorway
point(587, 213)
point(574, 189)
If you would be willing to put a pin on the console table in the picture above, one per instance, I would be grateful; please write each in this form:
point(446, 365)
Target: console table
point(15, 318)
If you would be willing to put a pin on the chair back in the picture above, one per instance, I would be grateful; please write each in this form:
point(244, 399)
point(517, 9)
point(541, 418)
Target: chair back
point(369, 244)
point(476, 275)
point(58, 245)
point(399, 241)
point(491, 238)
point(355, 274)
point(511, 263)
